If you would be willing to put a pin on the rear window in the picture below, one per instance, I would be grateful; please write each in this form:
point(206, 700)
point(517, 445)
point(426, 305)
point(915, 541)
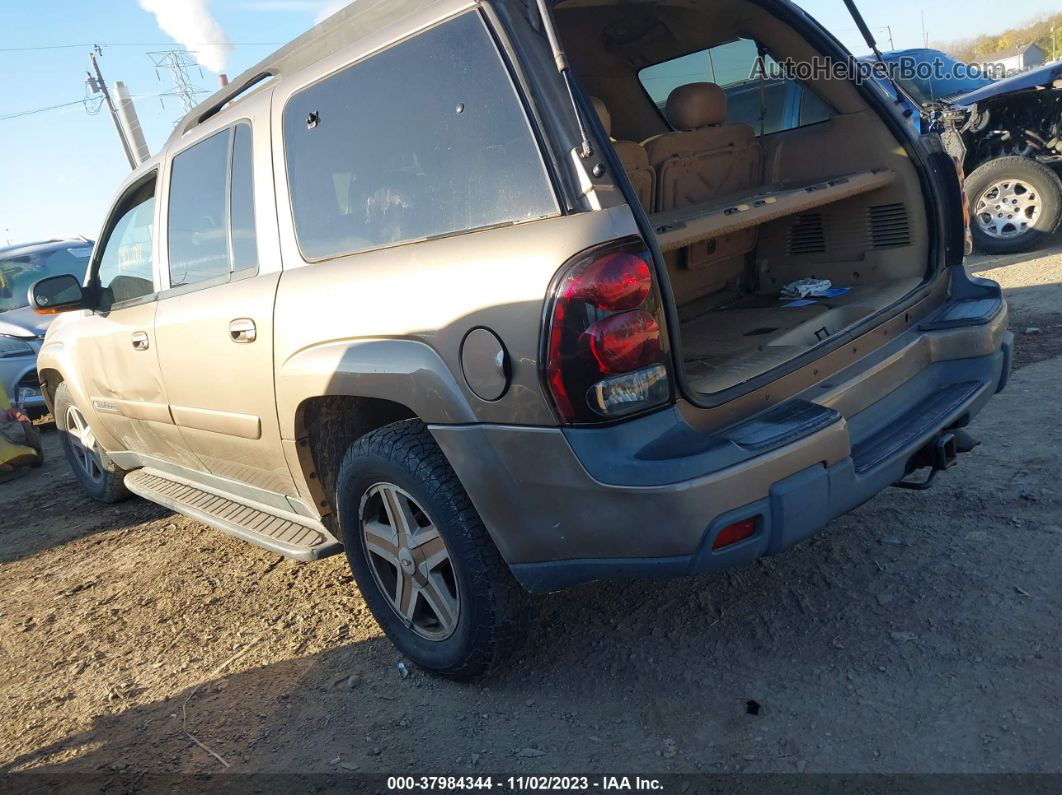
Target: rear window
point(771, 105)
point(425, 139)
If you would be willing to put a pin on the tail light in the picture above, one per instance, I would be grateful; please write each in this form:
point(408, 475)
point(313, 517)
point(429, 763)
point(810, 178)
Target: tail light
point(606, 348)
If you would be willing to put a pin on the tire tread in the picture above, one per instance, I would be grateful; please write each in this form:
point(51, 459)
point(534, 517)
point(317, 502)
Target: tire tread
point(409, 444)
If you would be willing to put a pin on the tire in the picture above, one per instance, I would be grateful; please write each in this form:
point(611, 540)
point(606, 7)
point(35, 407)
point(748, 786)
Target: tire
point(103, 481)
point(1037, 205)
point(463, 618)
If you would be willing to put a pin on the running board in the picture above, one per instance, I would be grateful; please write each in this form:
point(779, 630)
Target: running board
point(286, 534)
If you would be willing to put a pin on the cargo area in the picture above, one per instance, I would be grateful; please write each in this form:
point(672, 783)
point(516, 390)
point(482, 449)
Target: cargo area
point(752, 179)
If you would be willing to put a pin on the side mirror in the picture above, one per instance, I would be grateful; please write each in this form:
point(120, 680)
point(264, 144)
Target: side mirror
point(56, 294)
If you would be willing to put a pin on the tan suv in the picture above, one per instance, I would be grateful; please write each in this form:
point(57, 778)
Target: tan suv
point(491, 297)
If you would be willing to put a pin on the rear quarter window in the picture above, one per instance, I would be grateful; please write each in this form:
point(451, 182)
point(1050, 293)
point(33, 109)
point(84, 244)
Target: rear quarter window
point(424, 139)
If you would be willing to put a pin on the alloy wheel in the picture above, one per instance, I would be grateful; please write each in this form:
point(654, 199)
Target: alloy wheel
point(409, 561)
point(1008, 208)
point(83, 444)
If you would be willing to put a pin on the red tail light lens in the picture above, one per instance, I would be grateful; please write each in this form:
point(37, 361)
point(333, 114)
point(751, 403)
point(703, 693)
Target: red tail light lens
point(616, 281)
point(606, 350)
point(733, 533)
point(625, 342)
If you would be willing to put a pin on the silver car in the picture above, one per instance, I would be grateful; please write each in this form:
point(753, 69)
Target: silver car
point(21, 329)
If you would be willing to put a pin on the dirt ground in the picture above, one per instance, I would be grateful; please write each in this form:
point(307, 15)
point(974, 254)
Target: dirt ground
point(920, 633)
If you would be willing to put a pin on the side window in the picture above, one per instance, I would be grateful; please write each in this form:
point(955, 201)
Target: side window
point(785, 104)
point(124, 269)
point(211, 210)
point(198, 223)
point(241, 202)
point(424, 139)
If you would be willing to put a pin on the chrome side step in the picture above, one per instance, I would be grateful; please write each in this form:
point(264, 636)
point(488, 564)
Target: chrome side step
point(286, 534)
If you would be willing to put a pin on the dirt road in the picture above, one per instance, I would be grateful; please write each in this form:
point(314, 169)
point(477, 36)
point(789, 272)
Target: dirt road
point(920, 633)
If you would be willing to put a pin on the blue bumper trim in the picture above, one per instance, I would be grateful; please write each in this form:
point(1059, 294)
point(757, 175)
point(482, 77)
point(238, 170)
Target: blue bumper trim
point(802, 504)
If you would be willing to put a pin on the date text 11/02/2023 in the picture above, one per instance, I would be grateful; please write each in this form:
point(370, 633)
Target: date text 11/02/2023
point(533, 783)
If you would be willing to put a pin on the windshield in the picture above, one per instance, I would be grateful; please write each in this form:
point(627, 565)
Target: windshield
point(18, 273)
point(931, 75)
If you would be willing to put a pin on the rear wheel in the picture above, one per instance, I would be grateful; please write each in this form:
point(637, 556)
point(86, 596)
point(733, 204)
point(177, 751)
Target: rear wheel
point(425, 564)
point(1016, 205)
point(100, 478)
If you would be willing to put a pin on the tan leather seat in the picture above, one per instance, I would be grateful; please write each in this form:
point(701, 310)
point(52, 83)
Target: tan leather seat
point(632, 157)
point(706, 159)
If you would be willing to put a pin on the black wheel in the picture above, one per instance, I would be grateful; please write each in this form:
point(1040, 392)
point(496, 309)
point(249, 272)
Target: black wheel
point(98, 475)
point(422, 558)
point(1015, 204)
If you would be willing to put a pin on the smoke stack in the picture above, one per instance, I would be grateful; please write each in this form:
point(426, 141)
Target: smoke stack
point(127, 114)
point(223, 79)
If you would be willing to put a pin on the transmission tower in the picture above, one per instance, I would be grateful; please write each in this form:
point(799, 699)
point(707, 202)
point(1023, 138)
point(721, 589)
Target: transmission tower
point(179, 63)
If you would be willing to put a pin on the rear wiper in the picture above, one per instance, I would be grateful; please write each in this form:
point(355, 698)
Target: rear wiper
point(868, 37)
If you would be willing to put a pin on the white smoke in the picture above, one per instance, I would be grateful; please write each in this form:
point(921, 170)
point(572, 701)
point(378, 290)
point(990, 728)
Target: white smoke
point(189, 23)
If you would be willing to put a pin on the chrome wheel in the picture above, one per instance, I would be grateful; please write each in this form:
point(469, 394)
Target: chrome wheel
point(409, 561)
point(1008, 209)
point(83, 445)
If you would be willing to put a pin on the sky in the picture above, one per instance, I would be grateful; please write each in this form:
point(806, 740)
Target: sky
point(59, 168)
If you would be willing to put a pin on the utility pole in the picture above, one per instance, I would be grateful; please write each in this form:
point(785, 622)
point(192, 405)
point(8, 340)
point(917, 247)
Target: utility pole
point(892, 44)
point(98, 85)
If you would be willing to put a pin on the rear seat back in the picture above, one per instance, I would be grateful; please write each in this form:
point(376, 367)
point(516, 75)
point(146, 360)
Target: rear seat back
point(632, 157)
point(705, 157)
point(703, 160)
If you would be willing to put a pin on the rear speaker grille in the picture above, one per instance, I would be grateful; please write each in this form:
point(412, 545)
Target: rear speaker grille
point(889, 227)
point(807, 235)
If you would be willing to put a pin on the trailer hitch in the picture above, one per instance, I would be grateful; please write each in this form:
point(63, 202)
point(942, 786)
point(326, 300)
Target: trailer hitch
point(941, 453)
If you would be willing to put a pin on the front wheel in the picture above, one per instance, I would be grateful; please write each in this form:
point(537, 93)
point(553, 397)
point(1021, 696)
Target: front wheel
point(422, 558)
point(1016, 205)
point(100, 478)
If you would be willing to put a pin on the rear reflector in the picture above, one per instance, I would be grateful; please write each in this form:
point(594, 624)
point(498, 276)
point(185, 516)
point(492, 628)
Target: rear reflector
point(733, 533)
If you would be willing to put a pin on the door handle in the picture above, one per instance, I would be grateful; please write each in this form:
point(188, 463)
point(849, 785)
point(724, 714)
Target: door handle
point(242, 329)
point(140, 341)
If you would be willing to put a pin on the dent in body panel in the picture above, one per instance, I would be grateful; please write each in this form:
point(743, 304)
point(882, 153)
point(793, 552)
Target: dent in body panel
point(115, 374)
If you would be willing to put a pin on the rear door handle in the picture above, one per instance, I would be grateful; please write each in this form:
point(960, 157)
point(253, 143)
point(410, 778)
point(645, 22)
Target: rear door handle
point(242, 329)
point(140, 341)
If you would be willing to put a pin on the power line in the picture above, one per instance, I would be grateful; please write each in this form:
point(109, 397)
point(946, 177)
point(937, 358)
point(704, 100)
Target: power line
point(144, 44)
point(40, 110)
point(84, 101)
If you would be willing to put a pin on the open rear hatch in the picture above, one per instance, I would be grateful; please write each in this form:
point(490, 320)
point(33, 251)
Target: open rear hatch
point(758, 183)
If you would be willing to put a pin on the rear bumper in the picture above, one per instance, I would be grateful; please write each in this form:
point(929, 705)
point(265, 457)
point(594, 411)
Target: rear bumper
point(648, 497)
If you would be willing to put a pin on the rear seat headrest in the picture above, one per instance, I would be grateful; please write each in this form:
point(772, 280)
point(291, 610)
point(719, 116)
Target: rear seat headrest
point(603, 114)
point(696, 105)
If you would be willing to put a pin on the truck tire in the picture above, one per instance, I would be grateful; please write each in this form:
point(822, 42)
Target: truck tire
point(98, 475)
point(422, 558)
point(1015, 205)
